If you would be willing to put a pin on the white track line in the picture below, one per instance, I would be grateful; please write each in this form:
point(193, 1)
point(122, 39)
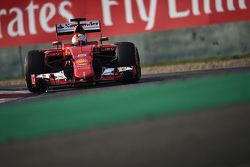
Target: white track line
point(13, 92)
point(9, 92)
point(7, 100)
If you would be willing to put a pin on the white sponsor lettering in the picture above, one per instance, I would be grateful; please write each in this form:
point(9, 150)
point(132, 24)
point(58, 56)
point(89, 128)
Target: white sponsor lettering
point(149, 18)
point(31, 15)
point(218, 6)
point(44, 18)
point(128, 12)
point(242, 4)
point(230, 5)
point(39, 17)
point(2, 12)
point(18, 21)
point(174, 13)
point(195, 7)
point(90, 26)
point(63, 12)
point(207, 7)
point(46, 13)
point(106, 11)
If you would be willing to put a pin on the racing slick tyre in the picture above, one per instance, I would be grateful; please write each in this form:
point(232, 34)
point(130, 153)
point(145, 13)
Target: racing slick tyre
point(127, 55)
point(34, 64)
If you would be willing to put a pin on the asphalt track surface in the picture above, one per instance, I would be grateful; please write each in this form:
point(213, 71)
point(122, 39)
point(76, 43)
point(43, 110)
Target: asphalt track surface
point(217, 137)
point(99, 87)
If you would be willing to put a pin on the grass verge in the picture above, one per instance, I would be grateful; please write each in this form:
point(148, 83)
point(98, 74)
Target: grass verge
point(77, 113)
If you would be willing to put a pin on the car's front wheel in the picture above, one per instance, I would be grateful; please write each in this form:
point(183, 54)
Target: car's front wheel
point(127, 55)
point(34, 64)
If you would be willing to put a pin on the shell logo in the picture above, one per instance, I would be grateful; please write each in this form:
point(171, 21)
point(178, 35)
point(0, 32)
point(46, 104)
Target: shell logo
point(79, 61)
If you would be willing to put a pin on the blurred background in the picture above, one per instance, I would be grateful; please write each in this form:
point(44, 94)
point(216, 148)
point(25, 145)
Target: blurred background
point(163, 30)
point(190, 108)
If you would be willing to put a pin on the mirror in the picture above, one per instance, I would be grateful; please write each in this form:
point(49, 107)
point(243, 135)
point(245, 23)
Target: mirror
point(104, 39)
point(56, 43)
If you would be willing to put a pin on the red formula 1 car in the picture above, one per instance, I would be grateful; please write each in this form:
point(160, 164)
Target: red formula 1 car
point(81, 60)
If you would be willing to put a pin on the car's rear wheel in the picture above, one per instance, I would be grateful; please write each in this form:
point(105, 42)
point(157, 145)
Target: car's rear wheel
point(34, 64)
point(127, 55)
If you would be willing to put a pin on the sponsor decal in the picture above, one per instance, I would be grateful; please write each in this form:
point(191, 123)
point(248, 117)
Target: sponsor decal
point(33, 21)
point(82, 55)
point(81, 61)
point(69, 27)
point(33, 79)
point(108, 49)
point(53, 53)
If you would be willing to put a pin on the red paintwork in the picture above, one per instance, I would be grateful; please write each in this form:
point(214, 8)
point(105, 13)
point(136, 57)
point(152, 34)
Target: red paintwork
point(82, 59)
point(33, 79)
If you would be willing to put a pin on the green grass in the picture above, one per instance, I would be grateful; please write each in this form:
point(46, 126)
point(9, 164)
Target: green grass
point(84, 112)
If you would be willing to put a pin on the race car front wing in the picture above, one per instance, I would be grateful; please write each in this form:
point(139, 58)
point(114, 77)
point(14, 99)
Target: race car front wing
point(59, 78)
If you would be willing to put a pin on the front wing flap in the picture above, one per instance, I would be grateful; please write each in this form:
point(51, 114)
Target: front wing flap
point(59, 78)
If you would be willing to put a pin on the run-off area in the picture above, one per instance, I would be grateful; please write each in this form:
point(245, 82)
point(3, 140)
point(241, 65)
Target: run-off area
point(83, 112)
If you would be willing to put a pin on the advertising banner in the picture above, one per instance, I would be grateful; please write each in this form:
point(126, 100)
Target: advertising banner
point(30, 22)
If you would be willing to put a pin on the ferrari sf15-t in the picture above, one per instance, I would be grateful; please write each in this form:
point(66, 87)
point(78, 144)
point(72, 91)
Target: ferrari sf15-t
point(93, 61)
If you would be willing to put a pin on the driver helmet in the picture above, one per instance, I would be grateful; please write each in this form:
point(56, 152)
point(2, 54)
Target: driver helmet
point(79, 39)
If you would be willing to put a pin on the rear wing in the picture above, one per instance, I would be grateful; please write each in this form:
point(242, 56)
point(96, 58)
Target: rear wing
point(88, 26)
